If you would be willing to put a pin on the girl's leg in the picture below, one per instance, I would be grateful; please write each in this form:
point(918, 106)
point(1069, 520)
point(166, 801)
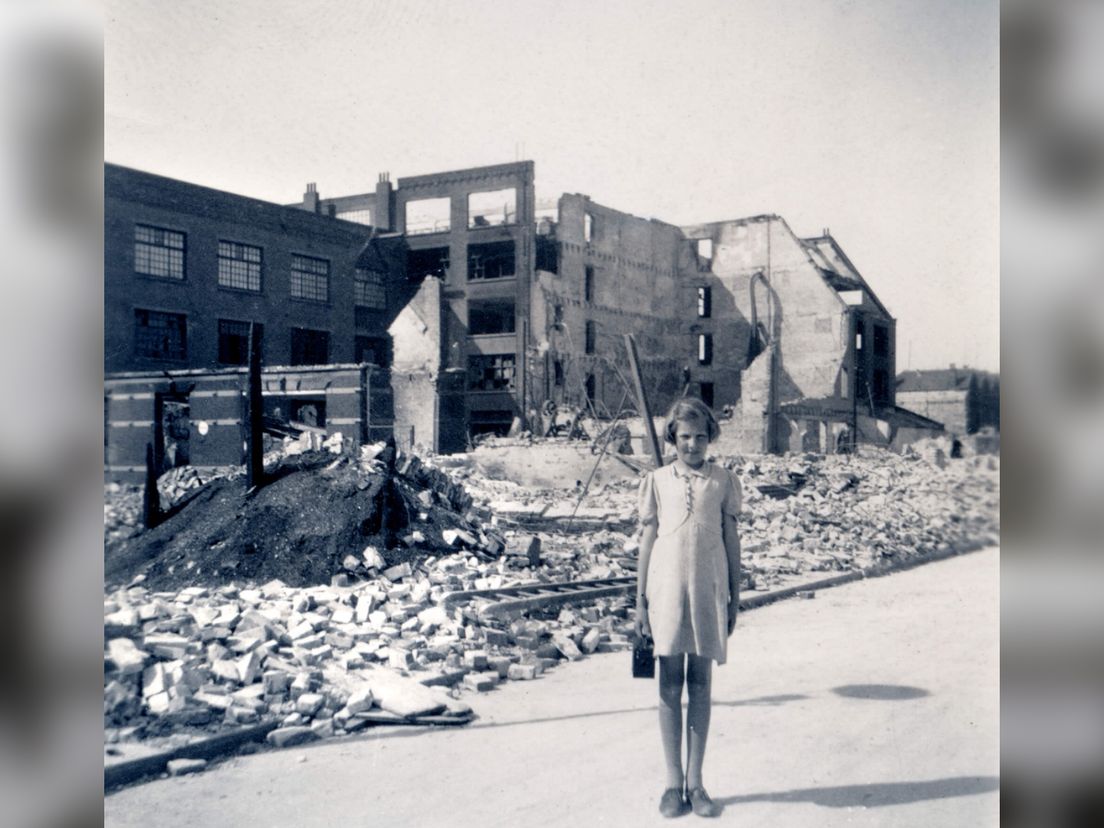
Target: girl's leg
point(699, 677)
point(671, 676)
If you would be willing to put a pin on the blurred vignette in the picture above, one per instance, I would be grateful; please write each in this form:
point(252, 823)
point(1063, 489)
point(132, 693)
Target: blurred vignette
point(1052, 188)
point(1052, 184)
point(51, 145)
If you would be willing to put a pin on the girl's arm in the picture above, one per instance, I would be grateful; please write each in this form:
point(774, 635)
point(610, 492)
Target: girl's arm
point(731, 534)
point(647, 541)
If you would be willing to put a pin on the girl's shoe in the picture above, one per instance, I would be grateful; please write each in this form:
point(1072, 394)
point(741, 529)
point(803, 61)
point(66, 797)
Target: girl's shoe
point(701, 803)
point(672, 803)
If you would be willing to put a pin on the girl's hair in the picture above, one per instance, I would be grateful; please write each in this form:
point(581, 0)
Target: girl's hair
point(692, 410)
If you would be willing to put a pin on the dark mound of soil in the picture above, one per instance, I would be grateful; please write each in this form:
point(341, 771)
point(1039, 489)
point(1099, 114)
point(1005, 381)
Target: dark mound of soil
point(299, 528)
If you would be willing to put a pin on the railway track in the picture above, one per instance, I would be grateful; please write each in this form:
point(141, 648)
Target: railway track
point(519, 598)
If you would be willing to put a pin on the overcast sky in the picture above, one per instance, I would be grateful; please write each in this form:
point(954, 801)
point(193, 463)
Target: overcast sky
point(877, 119)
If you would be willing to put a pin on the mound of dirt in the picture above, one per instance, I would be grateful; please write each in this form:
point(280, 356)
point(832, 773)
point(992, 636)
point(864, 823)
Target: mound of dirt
point(299, 529)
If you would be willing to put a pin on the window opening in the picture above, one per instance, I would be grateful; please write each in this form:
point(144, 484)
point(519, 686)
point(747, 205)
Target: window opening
point(490, 316)
point(160, 335)
point(591, 337)
point(310, 278)
point(492, 260)
point(233, 341)
point(496, 207)
point(368, 289)
point(588, 284)
point(158, 252)
point(491, 372)
point(309, 347)
point(705, 302)
point(428, 215)
point(433, 261)
point(705, 349)
point(239, 266)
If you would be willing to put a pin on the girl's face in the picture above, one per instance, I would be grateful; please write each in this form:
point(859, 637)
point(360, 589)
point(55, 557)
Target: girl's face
point(691, 440)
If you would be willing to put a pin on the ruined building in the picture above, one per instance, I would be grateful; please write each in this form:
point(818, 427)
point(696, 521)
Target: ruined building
point(526, 301)
point(447, 305)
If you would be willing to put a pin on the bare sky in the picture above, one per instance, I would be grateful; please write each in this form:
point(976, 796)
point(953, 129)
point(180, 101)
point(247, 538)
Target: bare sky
point(875, 118)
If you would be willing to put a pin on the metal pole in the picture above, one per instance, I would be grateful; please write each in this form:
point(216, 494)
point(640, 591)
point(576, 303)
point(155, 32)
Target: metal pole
point(642, 400)
point(255, 412)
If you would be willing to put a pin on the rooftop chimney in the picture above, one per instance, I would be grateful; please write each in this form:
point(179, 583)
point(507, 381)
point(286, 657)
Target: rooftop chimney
point(383, 215)
point(310, 198)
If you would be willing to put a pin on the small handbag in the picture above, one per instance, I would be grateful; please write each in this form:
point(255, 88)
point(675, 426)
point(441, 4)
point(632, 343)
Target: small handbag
point(643, 658)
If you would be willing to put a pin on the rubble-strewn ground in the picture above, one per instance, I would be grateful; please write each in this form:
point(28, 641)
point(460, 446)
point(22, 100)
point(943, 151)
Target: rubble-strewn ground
point(287, 604)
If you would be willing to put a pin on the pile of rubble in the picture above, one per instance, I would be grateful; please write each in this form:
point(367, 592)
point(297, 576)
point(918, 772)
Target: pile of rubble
point(325, 660)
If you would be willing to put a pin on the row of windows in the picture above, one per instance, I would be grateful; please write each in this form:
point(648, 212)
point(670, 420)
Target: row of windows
point(164, 336)
point(160, 252)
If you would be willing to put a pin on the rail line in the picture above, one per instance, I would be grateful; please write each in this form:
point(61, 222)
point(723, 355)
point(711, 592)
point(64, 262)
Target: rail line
point(521, 597)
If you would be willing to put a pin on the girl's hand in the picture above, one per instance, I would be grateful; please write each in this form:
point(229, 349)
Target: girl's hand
point(643, 628)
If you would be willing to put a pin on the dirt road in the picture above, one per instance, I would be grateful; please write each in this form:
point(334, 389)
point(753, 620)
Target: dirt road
point(874, 704)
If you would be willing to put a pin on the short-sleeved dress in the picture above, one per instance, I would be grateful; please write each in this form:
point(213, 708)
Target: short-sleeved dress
point(687, 586)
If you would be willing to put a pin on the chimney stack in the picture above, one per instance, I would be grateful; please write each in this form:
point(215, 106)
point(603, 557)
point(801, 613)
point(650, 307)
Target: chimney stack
point(310, 198)
point(385, 200)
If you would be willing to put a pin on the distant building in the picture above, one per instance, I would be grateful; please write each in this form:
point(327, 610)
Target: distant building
point(965, 400)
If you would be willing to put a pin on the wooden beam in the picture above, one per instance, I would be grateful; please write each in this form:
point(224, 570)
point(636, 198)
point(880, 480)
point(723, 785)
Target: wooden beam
point(642, 400)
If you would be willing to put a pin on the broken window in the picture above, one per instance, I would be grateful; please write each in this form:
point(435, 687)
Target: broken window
point(371, 349)
point(705, 349)
point(433, 261)
point(705, 248)
point(548, 255)
point(490, 422)
point(490, 316)
point(557, 373)
point(557, 314)
point(707, 393)
point(368, 289)
point(160, 335)
point(492, 208)
point(239, 266)
point(588, 227)
point(491, 372)
point(428, 215)
point(591, 337)
point(309, 347)
point(493, 260)
point(881, 341)
point(880, 389)
point(310, 278)
point(705, 302)
point(233, 341)
point(588, 284)
point(158, 252)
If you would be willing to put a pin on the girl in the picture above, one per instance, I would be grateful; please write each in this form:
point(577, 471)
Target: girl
point(687, 591)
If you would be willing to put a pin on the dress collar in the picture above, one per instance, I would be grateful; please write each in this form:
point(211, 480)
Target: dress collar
point(681, 470)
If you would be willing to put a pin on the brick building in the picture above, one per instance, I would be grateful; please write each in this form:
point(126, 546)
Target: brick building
point(188, 269)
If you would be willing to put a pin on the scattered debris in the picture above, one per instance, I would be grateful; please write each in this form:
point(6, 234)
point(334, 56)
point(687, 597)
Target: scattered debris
point(288, 604)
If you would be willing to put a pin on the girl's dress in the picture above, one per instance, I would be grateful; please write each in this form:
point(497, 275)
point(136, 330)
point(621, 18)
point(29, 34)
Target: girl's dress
point(687, 587)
